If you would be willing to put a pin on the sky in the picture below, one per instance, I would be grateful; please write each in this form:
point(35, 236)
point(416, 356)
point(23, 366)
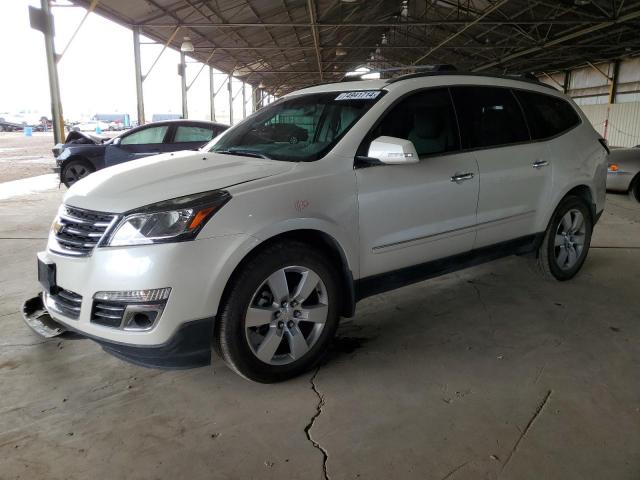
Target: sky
point(97, 71)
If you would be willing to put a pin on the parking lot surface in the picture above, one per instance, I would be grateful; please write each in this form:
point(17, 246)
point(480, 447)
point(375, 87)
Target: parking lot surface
point(486, 373)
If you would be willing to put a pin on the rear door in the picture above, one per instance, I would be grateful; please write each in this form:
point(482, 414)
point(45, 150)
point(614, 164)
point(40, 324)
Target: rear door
point(140, 143)
point(515, 174)
point(413, 213)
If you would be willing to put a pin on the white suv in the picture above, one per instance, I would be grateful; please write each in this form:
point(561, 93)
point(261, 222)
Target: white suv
point(257, 244)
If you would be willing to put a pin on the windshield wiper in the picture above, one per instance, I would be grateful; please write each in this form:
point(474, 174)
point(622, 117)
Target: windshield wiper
point(244, 153)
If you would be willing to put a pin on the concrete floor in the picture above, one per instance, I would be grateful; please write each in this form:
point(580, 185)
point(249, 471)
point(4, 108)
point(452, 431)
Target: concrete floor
point(488, 373)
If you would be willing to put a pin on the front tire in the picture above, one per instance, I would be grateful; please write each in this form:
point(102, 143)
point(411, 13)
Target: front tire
point(280, 314)
point(567, 240)
point(75, 170)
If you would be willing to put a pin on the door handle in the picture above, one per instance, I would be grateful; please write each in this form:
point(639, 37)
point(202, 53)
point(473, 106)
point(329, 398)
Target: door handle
point(461, 177)
point(539, 164)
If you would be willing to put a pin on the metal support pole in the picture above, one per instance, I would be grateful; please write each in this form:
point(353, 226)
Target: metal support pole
point(244, 100)
point(183, 85)
point(566, 82)
point(230, 87)
point(54, 85)
point(613, 89)
point(254, 99)
point(138, 69)
point(212, 95)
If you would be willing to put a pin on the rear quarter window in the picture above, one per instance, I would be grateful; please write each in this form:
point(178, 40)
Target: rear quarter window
point(547, 116)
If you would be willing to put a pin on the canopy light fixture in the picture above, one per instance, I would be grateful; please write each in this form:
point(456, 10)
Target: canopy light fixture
point(404, 12)
point(340, 50)
point(186, 46)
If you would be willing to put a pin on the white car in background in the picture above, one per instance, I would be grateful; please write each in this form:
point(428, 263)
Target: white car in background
point(623, 174)
point(256, 244)
point(92, 126)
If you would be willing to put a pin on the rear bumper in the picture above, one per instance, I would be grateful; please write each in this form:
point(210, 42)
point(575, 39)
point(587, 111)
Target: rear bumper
point(619, 181)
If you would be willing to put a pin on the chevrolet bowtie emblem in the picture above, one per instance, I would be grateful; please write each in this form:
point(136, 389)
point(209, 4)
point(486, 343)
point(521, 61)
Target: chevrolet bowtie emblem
point(56, 227)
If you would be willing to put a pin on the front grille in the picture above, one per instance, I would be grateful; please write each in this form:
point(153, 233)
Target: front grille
point(67, 303)
point(78, 231)
point(108, 314)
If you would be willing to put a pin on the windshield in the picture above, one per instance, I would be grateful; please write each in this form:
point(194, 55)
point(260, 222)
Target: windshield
point(298, 129)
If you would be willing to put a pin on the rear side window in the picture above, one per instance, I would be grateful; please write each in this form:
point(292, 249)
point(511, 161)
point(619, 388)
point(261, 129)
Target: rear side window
point(546, 115)
point(426, 118)
point(488, 116)
point(193, 134)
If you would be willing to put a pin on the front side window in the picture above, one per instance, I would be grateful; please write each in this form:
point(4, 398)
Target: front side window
point(192, 134)
point(488, 117)
point(547, 116)
point(300, 129)
point(145, 136)
point(426, 118)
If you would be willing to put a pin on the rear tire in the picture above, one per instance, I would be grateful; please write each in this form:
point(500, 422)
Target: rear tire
point(634, 189)
point(75, 170)
point(279, 314)
point(567, 240)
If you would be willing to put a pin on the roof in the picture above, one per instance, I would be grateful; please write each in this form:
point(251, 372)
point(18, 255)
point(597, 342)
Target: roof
point(439, 79)
point(289, 44)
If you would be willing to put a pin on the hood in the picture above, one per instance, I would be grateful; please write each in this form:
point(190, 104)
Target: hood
point(77, 137)
point(149, 180)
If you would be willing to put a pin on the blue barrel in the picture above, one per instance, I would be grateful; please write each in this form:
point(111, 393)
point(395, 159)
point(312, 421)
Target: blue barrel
point(28, 131)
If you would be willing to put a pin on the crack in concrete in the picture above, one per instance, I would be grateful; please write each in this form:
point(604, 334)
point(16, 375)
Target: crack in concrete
point(480, 299)
point(307, 429)
point(448, 475)
point(524, 432)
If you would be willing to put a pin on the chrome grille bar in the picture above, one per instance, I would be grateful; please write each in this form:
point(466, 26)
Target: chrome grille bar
point(77, 231)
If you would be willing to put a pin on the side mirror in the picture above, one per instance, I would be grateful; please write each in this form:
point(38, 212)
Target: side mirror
point(393, 151)
point(116, 141)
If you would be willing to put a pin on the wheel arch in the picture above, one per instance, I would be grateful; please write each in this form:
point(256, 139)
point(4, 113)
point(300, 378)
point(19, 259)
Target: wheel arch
point(317, 239)
point(635, 184)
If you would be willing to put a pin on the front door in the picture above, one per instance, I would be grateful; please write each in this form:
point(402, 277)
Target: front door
point(140, 143)
point(411, 214)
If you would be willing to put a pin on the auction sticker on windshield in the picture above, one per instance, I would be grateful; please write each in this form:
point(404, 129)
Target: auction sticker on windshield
point(363, 95)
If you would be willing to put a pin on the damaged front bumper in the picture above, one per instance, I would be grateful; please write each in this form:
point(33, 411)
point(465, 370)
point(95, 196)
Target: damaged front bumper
point(189, 347)
point(36, 316)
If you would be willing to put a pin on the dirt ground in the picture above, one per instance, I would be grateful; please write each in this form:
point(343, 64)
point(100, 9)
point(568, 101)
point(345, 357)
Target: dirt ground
point(24, 157)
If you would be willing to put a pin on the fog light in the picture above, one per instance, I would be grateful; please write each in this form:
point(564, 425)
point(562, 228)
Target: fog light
point(141, 317)
point(134, 296)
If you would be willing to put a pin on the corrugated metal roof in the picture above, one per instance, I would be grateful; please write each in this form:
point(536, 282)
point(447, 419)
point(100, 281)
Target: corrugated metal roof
point(282, 43)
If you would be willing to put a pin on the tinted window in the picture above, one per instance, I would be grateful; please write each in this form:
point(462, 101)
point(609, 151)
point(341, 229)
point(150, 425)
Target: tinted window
point(426, 118)
point(488, 116)
point(193, 134)
point(145, 136)
point(546, 115)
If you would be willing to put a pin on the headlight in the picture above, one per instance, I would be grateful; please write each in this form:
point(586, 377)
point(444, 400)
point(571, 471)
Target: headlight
point(174, 220)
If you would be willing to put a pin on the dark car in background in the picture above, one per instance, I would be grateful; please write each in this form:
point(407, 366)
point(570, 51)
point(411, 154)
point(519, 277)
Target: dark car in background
point(83, 153)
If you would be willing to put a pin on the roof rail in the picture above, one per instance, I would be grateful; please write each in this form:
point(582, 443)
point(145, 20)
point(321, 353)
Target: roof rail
point(526, 77)
point(356, 76)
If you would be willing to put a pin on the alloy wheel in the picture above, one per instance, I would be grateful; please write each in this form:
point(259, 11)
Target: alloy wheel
point(569, 239)
point(75, 172)
point(286, 315)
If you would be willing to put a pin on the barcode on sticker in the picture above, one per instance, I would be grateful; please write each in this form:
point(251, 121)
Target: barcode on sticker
point(364, 95)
